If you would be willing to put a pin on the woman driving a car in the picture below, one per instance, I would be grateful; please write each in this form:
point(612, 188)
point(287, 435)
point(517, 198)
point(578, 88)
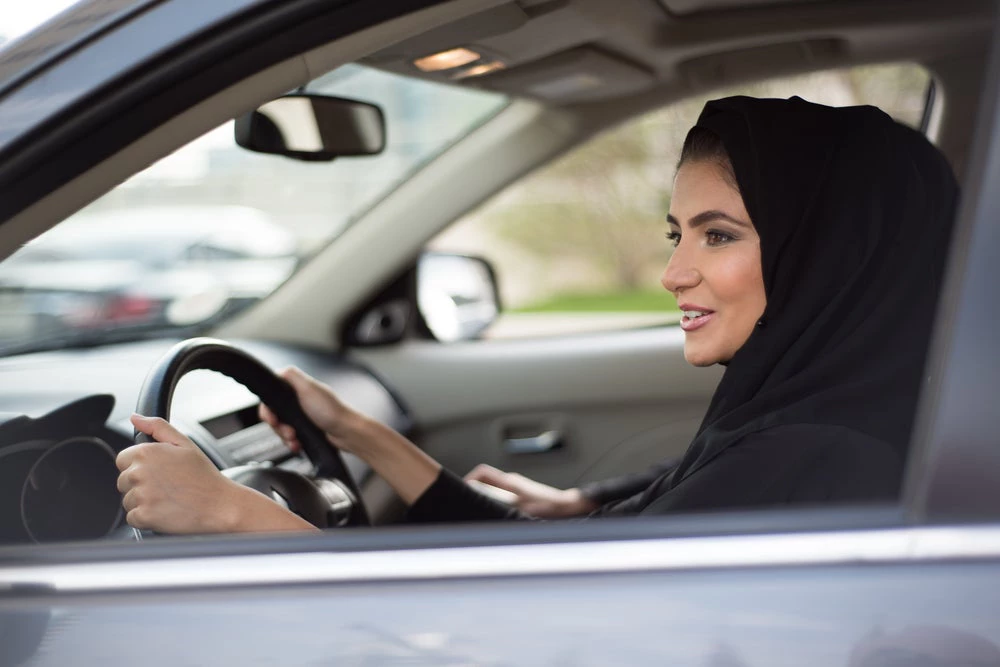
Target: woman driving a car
point(809, 250)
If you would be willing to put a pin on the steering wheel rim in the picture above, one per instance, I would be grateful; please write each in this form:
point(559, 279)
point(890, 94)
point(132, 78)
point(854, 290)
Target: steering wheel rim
point(216, 355)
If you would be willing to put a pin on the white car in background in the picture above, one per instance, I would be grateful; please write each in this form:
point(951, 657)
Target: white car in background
point(141, 271)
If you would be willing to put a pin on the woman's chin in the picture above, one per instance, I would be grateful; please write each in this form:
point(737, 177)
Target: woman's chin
point(700, 357)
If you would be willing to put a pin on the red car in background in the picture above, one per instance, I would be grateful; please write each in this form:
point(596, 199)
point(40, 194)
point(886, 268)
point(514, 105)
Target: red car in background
point(138, 272)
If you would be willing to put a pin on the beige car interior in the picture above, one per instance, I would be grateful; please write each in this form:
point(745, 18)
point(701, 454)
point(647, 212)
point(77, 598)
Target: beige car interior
point(572, 68)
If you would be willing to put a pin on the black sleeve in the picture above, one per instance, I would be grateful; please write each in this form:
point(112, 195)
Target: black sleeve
point(450, 499)
point(619, 488)
point(793, 465)
point(800, 464)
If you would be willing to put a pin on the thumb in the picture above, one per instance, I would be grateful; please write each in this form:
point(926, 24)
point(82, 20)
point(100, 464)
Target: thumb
point(479, 473)
point(160, 430)
point(297, 378)
point(495, 477)
point(267, 415)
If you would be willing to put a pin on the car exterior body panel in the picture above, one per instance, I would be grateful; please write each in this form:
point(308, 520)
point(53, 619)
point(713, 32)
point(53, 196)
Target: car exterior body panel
point(817, 598)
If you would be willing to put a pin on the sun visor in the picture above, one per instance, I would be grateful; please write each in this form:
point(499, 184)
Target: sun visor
point(490, 23)
point(687, 7)
point(574, 76)
point(723, 69)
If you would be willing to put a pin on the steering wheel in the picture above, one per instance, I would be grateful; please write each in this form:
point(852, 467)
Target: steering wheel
point(329, 498)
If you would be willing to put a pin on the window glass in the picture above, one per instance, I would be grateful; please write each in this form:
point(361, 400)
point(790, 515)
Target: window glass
point(579, 245)
point(19, 18)
point(216, 220)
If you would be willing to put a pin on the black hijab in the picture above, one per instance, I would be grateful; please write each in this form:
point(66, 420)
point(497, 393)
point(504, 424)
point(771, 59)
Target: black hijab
point(854, 215)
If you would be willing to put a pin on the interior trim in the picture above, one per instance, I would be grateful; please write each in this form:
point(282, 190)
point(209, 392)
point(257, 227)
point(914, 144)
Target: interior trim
point(557, 364)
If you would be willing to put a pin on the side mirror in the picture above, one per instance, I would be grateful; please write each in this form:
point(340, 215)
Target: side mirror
point(313, 128)
point(456, 295)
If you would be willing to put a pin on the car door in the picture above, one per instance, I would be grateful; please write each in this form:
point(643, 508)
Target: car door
point(563, 410)
point(908, 584)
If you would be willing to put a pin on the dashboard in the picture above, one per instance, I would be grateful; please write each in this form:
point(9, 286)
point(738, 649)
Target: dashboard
point(64, 416)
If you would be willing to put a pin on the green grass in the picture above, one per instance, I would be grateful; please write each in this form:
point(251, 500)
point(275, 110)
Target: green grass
point(615, 302)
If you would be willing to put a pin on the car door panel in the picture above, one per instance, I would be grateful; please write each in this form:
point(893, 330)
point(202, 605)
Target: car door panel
point(617, 401)
point(804, 601)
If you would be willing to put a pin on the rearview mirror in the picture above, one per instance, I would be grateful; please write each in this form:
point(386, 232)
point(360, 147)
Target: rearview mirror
point(313, 128)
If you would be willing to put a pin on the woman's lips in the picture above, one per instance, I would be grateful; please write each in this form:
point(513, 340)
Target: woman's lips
point(695, 323)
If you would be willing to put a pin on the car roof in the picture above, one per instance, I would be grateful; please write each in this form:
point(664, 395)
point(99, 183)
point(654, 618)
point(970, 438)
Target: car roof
point(579, 51)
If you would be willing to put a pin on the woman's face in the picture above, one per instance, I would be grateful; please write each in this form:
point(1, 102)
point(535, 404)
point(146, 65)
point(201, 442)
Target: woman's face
point(715, 270)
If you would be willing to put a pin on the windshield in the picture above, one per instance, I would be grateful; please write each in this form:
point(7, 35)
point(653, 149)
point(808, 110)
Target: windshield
point(213, 228)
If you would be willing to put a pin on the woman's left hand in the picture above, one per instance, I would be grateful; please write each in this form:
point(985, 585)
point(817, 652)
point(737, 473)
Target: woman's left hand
point(534, 498)
point(170, 486)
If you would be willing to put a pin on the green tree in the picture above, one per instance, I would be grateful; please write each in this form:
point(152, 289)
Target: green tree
point(604, 203)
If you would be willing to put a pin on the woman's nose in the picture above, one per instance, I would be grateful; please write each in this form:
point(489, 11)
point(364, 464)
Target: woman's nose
point(679, 274)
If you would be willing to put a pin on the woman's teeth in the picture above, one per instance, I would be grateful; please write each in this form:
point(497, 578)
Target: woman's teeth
point(691, 314)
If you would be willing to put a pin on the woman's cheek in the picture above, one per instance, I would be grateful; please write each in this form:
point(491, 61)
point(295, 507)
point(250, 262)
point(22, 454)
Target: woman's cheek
point(732, 273)
point(740, 286)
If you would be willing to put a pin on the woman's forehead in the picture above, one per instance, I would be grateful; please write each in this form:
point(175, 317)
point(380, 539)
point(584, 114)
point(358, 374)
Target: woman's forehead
point(702, 185)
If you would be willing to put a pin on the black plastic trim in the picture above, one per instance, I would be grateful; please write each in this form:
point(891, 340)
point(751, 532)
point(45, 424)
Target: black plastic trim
point(929, 99)
point(402, 288)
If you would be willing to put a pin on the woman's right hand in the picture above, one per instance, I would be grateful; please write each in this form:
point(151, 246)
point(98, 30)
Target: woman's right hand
point(535, 498)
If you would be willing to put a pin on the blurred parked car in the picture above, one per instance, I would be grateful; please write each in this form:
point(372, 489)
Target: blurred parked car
point(123, 273)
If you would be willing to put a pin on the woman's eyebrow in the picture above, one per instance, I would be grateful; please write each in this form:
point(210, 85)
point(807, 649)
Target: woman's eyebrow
point(707, 216)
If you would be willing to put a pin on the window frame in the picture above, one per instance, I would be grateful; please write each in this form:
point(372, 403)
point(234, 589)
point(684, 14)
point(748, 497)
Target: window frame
point(953, 475)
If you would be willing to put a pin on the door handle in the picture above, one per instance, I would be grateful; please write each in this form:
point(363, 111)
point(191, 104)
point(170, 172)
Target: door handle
point(543, 442)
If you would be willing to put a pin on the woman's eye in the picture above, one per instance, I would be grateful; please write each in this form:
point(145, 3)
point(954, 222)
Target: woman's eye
point(674, 238)
point(717, 238)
